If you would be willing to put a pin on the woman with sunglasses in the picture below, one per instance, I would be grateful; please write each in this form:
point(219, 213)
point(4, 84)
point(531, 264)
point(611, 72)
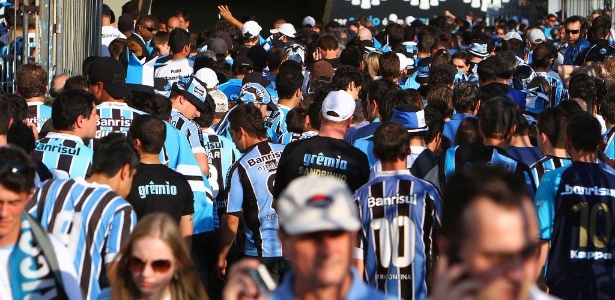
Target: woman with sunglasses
point(155, 263)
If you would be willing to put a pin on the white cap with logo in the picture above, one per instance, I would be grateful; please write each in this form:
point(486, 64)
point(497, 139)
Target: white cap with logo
point(312, 204)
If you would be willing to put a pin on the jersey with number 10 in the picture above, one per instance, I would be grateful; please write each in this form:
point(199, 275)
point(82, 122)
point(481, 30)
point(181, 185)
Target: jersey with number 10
point(576, 212)
point(400, 215)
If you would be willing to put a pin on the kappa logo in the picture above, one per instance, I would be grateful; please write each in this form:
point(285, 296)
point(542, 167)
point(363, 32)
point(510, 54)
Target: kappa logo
point(320, 201)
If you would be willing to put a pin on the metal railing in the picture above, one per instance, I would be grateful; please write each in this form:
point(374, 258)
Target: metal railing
point(66, 32)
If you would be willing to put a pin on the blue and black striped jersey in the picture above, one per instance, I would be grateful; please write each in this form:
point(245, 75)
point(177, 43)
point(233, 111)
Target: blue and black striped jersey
point(65, 155)
point(115, 117)
point(91, 220)
point(546, 164)
point(190, 129)
point(38, 113)
point(249, 189)
point(221, 154)
point(400, 217)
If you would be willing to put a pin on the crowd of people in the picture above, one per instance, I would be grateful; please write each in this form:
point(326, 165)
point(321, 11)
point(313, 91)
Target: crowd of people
point(448, 160)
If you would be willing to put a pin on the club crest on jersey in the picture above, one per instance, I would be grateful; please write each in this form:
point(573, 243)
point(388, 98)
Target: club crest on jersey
point(320, 201)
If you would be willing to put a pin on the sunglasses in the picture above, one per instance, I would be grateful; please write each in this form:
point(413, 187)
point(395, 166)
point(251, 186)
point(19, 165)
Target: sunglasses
point(573, 31)
point(552, 20)
point(136, 265)
point(14, 168)
point(150, 29)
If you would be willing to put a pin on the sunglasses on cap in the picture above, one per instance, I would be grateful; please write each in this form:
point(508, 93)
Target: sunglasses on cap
point(136, 265)
point(14, 168)
point(573, 31)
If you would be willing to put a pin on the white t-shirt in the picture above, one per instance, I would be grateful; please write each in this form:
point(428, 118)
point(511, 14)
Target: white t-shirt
point(109, 33)
point(67, 268)
point(173, 70)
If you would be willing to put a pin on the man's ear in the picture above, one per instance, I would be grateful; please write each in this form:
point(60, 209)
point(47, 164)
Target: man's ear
point(137, 143)
point(306, 123)
point(79, 121)
point(125, 172)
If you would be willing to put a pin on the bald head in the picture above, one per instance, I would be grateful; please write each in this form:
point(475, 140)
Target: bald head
point(57, 84)
point(365, 34)
point(172, 23)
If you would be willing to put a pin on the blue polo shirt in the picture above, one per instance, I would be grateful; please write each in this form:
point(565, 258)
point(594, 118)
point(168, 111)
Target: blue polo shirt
point(358, 289)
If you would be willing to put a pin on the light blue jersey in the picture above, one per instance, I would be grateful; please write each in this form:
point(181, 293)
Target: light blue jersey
point(181, 160)
point(65, 155)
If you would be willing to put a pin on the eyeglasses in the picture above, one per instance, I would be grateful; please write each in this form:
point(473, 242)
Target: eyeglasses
point(136, 265)
point(573, 31)
point(500, 33)
point(552, 20)
point(15, 168)
point(150, 29)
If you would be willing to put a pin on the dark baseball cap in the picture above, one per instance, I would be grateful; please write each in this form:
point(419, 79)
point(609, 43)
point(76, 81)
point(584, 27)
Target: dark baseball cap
point(217, 45)
point(256, 77)
point(242, 61)
point(112, 74)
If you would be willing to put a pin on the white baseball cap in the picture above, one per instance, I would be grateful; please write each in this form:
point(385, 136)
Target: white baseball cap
point(409, 20)
point(220, 99)
point(512, 35)
point(309, 21)
point(207, 76)
point(536, 36)
point(286, 29)
point(252, 28)
point(338, 106)
point(312, 204)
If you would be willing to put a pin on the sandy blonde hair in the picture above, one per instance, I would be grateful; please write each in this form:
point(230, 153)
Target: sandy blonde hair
point(185, 284)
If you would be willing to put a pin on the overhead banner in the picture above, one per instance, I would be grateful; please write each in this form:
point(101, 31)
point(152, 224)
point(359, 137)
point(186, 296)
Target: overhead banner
point(378, 11)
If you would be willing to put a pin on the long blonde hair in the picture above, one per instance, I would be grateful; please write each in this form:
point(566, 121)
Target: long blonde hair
point(372, 66)
point(185, 284)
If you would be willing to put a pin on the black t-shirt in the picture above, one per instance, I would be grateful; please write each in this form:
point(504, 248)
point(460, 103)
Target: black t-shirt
point(322, 156)
point(157, 188)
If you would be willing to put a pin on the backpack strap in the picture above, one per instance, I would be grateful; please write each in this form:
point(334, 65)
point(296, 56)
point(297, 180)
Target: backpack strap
point(44, 243)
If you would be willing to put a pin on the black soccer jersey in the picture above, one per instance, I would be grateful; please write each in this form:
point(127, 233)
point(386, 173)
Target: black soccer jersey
point(322, 156)
point(576, 212)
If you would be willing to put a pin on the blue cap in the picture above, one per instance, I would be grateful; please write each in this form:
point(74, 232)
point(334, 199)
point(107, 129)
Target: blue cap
point(411, 116)
point(193, 89)
point(479, 49)
point(253, 92)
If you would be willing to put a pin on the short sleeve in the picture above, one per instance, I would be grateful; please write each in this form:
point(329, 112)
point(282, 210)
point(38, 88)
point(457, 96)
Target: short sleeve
point(235, 194)
point(544, 201)
point(122, 224)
